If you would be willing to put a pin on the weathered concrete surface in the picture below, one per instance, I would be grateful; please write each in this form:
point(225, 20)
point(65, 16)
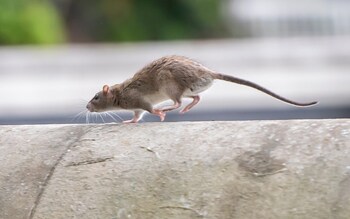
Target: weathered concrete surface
point(257, 169)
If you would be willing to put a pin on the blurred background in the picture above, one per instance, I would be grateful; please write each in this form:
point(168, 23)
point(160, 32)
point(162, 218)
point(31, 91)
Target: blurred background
point(56, 54)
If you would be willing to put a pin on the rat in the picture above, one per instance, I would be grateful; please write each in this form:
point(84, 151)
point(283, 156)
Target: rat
point(167, 78)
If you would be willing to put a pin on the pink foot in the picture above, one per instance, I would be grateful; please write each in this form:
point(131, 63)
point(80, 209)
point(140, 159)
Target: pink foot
point(159, 113)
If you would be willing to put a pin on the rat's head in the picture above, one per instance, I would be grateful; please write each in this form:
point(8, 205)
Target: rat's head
point(102, 101)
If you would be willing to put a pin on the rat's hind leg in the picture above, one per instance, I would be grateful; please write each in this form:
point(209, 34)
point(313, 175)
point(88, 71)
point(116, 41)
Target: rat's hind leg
point(137, 116)
point(177, 104)
point(174, 96)
point(192, 104)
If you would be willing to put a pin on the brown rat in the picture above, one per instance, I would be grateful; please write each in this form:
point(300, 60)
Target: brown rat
point(170, 77)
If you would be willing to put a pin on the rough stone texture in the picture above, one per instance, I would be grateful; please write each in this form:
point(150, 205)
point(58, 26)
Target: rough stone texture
point(256, 169)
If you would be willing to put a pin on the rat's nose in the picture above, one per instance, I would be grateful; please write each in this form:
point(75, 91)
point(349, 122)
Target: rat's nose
point(88, 106)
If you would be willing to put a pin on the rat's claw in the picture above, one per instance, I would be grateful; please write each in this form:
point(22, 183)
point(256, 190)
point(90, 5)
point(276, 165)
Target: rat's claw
point(159, 113)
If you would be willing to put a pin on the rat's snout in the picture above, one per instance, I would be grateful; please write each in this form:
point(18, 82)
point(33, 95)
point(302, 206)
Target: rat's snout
point(89, 107)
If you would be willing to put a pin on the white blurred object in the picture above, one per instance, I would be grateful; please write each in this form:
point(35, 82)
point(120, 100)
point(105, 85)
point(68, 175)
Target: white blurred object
point(261, 18)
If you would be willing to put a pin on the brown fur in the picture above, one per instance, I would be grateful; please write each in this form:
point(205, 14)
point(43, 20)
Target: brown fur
point(170, 77)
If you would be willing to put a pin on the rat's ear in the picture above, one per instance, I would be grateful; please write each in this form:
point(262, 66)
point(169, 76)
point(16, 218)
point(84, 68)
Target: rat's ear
point(105, 90)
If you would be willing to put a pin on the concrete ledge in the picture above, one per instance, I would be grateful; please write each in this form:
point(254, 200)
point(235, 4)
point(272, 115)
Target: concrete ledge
point(255, 169)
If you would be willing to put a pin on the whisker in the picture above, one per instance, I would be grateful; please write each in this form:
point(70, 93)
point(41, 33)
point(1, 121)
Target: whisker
point(78, 116)
point(82, 115)
point(119, 118)
point(107, 113)
point(114, 113)
point(96, 118)
point(87, 114)
point(101, 118)
point(73, 118)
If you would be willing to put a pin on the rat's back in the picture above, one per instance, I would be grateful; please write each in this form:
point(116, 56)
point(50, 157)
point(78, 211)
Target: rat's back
point(178, 65)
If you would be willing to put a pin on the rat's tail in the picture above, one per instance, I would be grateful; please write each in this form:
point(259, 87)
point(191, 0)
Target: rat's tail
point(258, 87)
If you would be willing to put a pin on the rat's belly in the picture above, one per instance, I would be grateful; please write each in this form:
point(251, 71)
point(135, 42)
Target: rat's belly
point(156, 98)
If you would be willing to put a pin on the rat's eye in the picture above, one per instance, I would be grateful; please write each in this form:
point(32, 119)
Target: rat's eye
point(96, 97)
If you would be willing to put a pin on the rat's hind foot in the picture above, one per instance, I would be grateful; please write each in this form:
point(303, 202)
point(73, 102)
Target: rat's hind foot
point(159, 113)
point(192, 104)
